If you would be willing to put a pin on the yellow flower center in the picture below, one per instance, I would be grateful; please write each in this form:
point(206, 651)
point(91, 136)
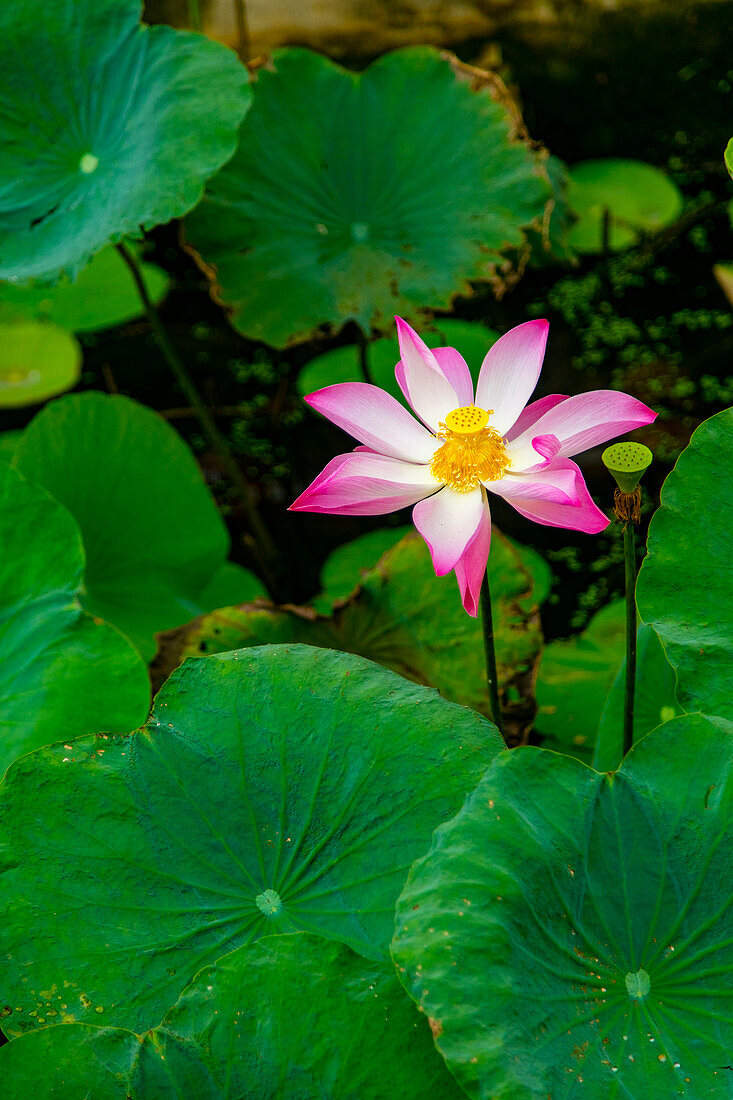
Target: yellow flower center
point(472, 452)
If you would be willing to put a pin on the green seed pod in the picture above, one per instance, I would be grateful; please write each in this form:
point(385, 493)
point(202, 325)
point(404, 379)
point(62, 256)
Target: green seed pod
point(627, 462)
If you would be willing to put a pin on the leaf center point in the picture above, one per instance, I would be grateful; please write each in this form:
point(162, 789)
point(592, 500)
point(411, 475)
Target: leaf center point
point(88, 164)
point(269, 902)
point(638, 984)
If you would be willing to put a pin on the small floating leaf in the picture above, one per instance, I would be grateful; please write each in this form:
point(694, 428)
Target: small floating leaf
point(633, 196)
point(37, 361)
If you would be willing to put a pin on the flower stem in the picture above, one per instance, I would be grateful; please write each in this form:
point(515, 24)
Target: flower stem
point(194, 16)
point(491, 677)
point(630, 570)
point(244, 49)
point(263, 548)
point(364, 356)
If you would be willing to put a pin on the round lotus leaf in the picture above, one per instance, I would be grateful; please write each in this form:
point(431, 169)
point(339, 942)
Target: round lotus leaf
point(637, 196)
point(96, 131)
point(729, 157)
point(37, 361)
point(386, 192)
point(568, 933)
point(240, 1030)
point(274, 790)
point(153, 537)
point(684, 588)
point(343, 364)
point(403, 617)
point(62, 673)
point(102, 295)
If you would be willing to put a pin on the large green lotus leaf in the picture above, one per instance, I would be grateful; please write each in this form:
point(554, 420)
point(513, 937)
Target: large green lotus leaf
point(37, 360)
point(385, 193)
point(62, 673)
point(654, 700)
point(102, 295)
point(152, 534)
point(343, 364)
point(96, 128)
point(405, 618)
point(684, 587)
point(240, 1030)
point(728, 156)
point(568, 933)
point(637, 196)
point(274, 790)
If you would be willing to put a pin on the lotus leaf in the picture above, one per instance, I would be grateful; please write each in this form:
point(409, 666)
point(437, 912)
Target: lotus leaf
point(568, 933)
point(240, 1030)
point(62, 673)
point(684, 587)
point(95, 130)
point(274, 790)
point(385, 193)
point(636, 196)
point(153, 537)
point(37, 360)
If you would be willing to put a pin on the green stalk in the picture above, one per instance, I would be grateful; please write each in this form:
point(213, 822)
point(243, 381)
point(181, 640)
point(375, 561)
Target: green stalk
point(194, 16)
point(245, 45)
point(630, 570)
point(492, 681)
point(263, 547)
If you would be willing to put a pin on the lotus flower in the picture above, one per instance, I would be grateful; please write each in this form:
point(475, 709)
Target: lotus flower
point(466, 447)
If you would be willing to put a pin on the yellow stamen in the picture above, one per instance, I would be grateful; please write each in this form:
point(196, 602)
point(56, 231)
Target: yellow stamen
point(471, 453)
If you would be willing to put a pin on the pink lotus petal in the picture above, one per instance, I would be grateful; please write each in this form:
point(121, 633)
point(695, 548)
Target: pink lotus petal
point(375, 418)
point(588, 419)
point(555, 483)
point(584, 516)
point(531, 414)
point(448, 522)
point(365, 484)
point(422, 380)
point(455, 368)
point(533, 455)
point(471, 565)
point(510, 371)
